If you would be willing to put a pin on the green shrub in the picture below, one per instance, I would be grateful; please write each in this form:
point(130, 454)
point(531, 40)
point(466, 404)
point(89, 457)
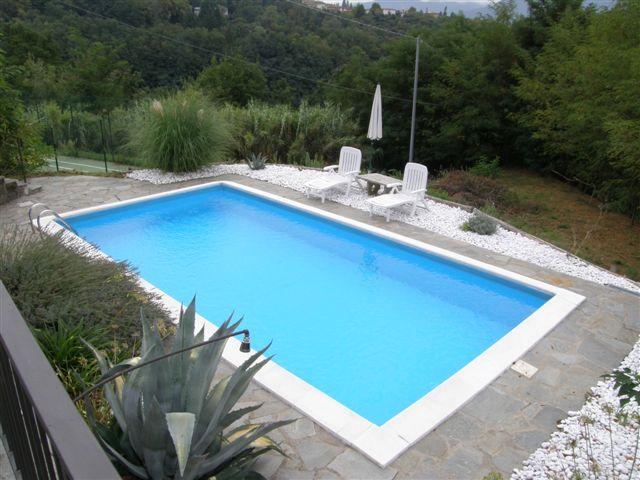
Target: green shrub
point(180, 133)
point(480, 224)
point(171, 421)
point(493, 476)
point(486, 168)
point(50, 282)
point(67, 354)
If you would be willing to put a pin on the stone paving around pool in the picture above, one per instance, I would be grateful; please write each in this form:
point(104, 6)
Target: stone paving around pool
point(495, 431)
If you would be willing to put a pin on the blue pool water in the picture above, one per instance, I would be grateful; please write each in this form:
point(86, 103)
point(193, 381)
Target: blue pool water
point(371, 323)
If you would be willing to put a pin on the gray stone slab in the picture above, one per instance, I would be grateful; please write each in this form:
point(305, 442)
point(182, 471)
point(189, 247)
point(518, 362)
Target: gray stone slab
point(352, 465)
point(316, 454)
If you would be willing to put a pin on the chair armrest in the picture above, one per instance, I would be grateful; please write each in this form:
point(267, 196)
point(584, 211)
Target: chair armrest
point(330, 168)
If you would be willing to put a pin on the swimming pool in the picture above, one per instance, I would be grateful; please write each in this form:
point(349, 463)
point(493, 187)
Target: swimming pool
point(366, 327)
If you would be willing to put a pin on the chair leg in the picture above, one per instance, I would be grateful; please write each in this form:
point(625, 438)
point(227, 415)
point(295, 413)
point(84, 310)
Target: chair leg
point(388, 214)
point(413, 208)
point(348, 189)
point(322, 195)
point(371, 210)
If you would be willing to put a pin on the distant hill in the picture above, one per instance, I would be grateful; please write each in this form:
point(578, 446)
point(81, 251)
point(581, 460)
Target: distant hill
point(469, 8)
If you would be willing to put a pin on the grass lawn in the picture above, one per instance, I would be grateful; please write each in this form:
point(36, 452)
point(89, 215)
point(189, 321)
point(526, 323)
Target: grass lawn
point(572, 220)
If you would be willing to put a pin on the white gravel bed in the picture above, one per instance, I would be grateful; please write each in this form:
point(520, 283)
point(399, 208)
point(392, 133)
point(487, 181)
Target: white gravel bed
point(600, 441)
point(440, 218)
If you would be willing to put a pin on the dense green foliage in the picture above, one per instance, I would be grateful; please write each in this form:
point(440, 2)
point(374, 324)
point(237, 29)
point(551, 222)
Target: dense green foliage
point(172, 420)
point(556, 90)
point(179, 133)
point(20, 143)
point(63, 347)
point(65, 296)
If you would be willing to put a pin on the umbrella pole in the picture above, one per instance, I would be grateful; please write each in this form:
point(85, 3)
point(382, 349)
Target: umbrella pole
point(415, 98)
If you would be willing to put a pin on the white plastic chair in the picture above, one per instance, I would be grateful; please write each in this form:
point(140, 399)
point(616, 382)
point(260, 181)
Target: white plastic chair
point(413, 188)
point(347, 169)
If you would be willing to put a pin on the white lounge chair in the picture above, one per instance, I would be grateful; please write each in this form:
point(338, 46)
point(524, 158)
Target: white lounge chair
point(414, 186)
point(347, 169)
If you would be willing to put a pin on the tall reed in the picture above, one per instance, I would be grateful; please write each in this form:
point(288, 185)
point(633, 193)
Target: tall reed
point(309, 134)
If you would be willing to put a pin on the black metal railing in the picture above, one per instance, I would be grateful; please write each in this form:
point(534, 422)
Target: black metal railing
point(48, 437)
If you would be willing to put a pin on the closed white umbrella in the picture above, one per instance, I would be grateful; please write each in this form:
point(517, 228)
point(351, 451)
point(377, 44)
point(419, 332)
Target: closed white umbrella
point(375, 121)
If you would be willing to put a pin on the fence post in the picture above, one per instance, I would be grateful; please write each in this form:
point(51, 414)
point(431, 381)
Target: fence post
point(104, 151)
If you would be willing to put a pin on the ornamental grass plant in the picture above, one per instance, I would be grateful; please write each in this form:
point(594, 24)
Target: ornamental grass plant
point(180, 133)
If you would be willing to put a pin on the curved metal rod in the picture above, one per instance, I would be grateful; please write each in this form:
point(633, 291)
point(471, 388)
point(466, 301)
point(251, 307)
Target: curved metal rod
point(31, 208)
point(58, 217)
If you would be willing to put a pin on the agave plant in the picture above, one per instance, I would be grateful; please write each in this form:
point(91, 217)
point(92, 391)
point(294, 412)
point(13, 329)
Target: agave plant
point(169, 422)
point(256, 161)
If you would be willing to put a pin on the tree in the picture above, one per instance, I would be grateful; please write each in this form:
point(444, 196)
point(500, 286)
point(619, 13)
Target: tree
point(375, 9)
point(210, 16)
point(233, 81)
point(472, 94)
point(99, 80)
point(21, 147)
point(582, 97)
point(548, 12)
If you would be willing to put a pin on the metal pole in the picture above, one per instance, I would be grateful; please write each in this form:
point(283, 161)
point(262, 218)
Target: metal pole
point(55, 147)
point(104, 150)
point(415, 99)
point(21, 158)
point(55, 155)
point(110, 137)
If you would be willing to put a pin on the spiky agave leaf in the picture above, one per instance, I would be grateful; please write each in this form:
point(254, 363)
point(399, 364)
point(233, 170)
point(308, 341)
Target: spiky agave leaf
point(112, 393)
point(203, 367)
point(234, 387)
point(141, 383)
point(185, 442)
point(137, 470)
point(181, 425)
point(153, 434)
point(178, 365)
point(235, 447)
point(150, 334)
point(258, 443)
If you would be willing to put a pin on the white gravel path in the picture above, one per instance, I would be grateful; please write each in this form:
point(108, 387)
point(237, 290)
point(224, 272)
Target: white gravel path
point(600, 441)
point(440, 218)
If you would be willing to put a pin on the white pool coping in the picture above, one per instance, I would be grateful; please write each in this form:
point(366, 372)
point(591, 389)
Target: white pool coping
point(385, 443)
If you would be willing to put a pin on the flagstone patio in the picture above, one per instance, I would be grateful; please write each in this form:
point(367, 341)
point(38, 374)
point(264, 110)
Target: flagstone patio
point(496, 431)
